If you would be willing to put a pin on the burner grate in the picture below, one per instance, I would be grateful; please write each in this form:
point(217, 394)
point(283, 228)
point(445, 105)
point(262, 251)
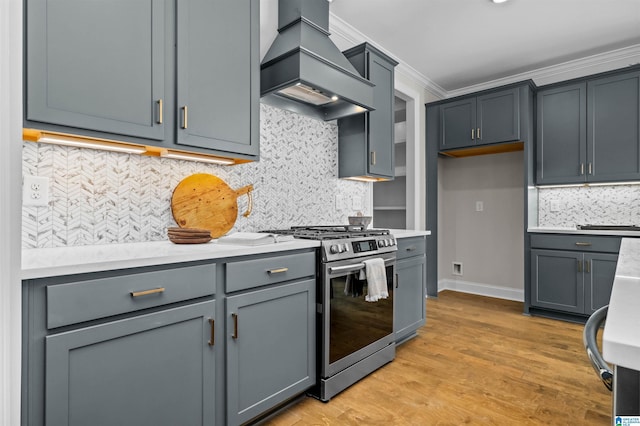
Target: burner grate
point(330, 232)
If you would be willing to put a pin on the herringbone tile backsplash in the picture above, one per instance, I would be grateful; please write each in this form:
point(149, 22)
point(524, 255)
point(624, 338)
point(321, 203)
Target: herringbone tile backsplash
point(99, 197)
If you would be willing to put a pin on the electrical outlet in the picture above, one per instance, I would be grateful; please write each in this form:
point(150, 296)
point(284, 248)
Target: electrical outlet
point(479, 206)
point(356, 203)
point(35, 191)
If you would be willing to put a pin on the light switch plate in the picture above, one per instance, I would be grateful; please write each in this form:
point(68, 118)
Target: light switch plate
point(356, 203)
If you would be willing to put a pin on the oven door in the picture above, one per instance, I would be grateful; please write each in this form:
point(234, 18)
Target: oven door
point(352, 328)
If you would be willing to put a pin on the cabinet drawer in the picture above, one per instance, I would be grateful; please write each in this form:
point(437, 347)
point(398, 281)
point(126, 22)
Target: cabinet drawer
point(606, 244)
point(103, 296)
point(409, 247)
point(257, 272)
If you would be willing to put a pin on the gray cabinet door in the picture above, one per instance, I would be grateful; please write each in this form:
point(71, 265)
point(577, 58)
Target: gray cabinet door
point(498, 117)
point(153, 369)
point(381, 128)
point(613, 128)
point(409, 296)
point(599, 273)
point(561, 134)
point(96, 65)
point(365, 141)
point(458, 124)
point(270, 348)
point(218, 75)
point(556, 280)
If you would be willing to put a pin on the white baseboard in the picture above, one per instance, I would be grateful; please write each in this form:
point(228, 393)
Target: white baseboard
point(482, 289)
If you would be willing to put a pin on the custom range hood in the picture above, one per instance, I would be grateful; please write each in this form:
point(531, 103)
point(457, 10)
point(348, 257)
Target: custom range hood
point(304, 72)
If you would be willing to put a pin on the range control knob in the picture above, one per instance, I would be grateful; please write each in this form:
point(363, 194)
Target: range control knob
point(345, 247)
point(334, 249)
point(393, 242)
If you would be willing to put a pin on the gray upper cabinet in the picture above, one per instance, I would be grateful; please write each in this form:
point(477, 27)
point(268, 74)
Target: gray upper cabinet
point(96, 65)
point(218, 75)
point(488, 118)
point(366, 143)
point(613, 128)
point(561, 134)
point(174, 74)
point(589, 131)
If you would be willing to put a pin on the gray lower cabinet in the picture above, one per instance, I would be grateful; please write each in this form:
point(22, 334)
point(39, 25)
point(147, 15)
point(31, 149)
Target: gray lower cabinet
point(409, 295)
point(152, 369)
point(165, 345)
point(270, 333)
point(589, 130)
point(129, 347)
point(567, 280)
point(366, 141)
point(490, 117)
point(174, 74)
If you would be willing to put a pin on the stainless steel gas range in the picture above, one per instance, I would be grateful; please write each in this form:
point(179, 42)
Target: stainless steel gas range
point(354, 336)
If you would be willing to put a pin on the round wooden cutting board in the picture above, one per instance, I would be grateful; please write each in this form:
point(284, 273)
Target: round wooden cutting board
point(206, 201)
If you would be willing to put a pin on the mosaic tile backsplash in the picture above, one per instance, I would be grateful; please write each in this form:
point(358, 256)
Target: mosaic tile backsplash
point(99, 197)
point(607, 205)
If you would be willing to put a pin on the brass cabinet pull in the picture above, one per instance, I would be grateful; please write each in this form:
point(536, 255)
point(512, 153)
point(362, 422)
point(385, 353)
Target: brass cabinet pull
point(397, 281)
point(590, 169)
point(213, 330)
point(587, 264)
point(147, 292)
point(373, 158)
point(473, 132)
point(412, 248)
point(185, 114)
point(277, 271)
point(160, 111)
point(235, 326)
point(581, 168)
point(478, 133)
point(583, 244)
point(579, 265)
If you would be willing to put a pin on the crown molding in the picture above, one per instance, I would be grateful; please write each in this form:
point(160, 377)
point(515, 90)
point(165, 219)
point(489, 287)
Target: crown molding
point(593, 64)
point(342, 29)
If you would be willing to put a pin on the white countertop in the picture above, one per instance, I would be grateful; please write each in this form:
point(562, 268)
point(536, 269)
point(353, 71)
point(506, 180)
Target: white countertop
point(621, 338)
point(49, 262)
point(407, 233)
point(543, 230)
point(38, 263)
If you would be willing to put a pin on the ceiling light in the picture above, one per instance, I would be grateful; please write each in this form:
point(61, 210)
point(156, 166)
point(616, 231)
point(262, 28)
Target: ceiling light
point(498, 1)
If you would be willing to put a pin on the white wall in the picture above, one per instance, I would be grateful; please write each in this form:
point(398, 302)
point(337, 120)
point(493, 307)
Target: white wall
point(489, 244)
point(10, 131)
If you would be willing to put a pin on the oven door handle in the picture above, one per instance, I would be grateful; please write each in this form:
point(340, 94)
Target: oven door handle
point(350, 268)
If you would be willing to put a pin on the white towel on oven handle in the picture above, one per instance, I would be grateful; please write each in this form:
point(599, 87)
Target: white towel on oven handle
point(376, 275)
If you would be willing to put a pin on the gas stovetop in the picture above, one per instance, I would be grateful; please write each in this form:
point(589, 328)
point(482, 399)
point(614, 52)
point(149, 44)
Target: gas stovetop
point(343, 242)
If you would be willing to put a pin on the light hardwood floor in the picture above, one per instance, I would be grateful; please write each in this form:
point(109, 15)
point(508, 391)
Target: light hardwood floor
point(477, 361)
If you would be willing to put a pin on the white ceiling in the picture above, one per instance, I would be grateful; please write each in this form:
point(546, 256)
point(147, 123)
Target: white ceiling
point(458, 44)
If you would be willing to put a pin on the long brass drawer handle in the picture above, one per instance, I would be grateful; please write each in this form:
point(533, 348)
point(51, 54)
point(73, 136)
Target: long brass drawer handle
point(213, 336)
point(147, 292)
point(277, 271)
point(235, 326)
point(583, 244)
point(412, 248)
point(160, 111)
